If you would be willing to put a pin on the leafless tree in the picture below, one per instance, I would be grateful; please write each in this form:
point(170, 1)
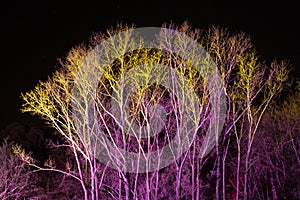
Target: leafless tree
point(121, 104)
point(16, 179)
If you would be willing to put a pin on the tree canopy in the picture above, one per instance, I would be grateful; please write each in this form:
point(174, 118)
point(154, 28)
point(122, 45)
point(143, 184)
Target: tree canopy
point(190, 115)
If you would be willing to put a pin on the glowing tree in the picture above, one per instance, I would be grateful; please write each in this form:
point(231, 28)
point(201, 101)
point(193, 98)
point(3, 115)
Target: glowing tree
point(86, 102)
point(142, 118)
point(250, 85)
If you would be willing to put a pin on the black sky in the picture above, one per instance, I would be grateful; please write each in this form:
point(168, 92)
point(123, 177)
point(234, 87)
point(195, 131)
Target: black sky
point(35, 35)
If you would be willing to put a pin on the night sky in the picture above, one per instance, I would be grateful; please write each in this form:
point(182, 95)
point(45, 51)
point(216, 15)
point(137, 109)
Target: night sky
point(35, 35)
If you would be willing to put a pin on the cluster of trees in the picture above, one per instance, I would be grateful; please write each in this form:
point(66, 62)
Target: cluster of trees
point(255, 156)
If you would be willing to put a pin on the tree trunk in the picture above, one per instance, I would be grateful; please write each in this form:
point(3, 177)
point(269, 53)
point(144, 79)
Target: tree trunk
point(246, 174)
point(224, 170)
point(178, 184)
point(238, 172)
point(274, 193)
point(218, 172)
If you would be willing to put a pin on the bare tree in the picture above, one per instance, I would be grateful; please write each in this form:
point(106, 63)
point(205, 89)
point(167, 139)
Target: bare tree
point(122, 105)
point(86, 100)
point(276, 150)
point(16, 179)
point(250, 85)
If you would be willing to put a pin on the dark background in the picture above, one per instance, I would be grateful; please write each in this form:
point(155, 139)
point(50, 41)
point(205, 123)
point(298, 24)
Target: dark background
point(35, 35)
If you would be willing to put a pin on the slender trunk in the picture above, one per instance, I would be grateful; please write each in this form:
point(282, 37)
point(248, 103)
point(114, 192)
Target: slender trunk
point(96, 179)
point(198, 181)
point(238, 171)
point(179, 175)
point(193, 157)
point(224, 170)
point(83, 186)
point(178, 183)
point(223, 180)
point(124, 178)
point(148, 189)
point(217, 128)
point(193, 182)
point(135, 186)
point(218, 172)
point(246, 174)
point(101, 179)
point(92, 184)
point(120, 185)
point(85, 193)
point(274, 193)
point(157, 173)
point(147, 186)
